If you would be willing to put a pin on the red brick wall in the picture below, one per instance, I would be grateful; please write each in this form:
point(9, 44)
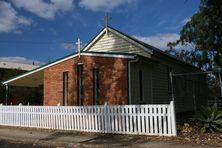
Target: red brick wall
point(113, 81)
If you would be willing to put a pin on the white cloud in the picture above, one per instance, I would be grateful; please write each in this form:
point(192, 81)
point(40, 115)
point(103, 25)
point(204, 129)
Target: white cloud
point(44, 9)
point(21, 60)
point(9, 19)
point(24, 21)
point(72, 46)
point(183, 22)
point(68, 46)
point(104, 5)
point(160, 40)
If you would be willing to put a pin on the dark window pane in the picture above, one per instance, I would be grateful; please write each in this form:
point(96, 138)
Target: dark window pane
point(65, 88)
point(95, 86)
point(141, 85)
point(80, 84)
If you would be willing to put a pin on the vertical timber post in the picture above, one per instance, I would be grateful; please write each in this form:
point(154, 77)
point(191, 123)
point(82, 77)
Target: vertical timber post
point(173, 118)
point(171, 82)
point(6, 94)
point(1, 118)
point(172, 107)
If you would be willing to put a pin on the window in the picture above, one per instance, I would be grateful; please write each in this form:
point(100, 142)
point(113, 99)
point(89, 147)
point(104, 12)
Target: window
point(141, 86)
point(80, 84)
point(169, 70)
point(65, 88)
point(95, 86)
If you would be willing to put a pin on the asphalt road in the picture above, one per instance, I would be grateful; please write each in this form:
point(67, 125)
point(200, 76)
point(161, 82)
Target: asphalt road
point(29, 138)
point(10, 144)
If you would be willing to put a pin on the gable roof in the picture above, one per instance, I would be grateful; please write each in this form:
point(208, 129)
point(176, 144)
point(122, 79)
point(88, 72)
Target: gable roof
point(119, 34)
point(146, 47)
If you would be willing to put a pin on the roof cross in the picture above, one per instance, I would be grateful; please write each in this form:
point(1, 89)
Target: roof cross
point(107, 18)
point(78, 43)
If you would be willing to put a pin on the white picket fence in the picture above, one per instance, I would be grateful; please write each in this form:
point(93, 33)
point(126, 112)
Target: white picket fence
point(120, 119)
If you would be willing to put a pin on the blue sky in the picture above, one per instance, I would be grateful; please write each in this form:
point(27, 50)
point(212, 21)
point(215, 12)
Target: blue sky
point(43, 30)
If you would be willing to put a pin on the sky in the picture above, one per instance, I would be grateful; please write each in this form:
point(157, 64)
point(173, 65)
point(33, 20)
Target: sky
point(44, 30)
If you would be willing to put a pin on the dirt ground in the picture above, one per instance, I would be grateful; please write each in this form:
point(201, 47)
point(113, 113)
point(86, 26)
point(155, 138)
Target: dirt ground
point(27, 137)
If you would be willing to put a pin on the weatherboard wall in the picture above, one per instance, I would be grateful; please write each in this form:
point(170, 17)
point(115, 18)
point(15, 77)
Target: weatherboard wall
point(190, 91)
point(146, 69)
point(113, 43)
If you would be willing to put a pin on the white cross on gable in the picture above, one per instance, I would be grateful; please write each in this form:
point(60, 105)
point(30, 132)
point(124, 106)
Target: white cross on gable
point(78, 43)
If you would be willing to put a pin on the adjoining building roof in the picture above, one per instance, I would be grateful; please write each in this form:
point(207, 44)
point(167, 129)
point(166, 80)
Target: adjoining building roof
point(20, 66)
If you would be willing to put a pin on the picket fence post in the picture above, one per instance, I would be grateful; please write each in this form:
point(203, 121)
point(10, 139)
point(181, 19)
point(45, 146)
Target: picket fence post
point(1, 113)
point(173, 115)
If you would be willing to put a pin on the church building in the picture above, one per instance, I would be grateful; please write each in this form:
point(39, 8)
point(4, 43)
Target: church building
point(116, 69)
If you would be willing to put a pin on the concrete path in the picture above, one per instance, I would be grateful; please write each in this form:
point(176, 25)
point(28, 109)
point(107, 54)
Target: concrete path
point(47, 138)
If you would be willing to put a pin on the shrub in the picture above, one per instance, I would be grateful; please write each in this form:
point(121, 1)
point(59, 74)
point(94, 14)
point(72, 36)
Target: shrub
point(210, 119)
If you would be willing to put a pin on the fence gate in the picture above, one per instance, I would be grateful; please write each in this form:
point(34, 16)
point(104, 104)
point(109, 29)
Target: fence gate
point(120, 119)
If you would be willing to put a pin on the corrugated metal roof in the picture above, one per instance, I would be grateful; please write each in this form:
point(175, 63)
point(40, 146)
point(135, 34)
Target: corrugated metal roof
point(13, 65)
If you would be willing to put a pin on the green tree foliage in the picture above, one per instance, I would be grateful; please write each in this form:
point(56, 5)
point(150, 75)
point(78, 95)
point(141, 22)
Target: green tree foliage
point(204, 32)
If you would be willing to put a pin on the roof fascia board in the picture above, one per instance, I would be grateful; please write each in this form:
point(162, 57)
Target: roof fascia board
point(67, 58)
point(108, 55)
point(94, 40)
point(39, 69)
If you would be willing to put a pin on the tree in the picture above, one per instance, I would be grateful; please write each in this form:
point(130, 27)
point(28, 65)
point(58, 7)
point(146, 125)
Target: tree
point(193, 57)
point(204, 31)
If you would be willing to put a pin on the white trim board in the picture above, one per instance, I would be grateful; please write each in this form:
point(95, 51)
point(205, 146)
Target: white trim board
point(109, 55)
